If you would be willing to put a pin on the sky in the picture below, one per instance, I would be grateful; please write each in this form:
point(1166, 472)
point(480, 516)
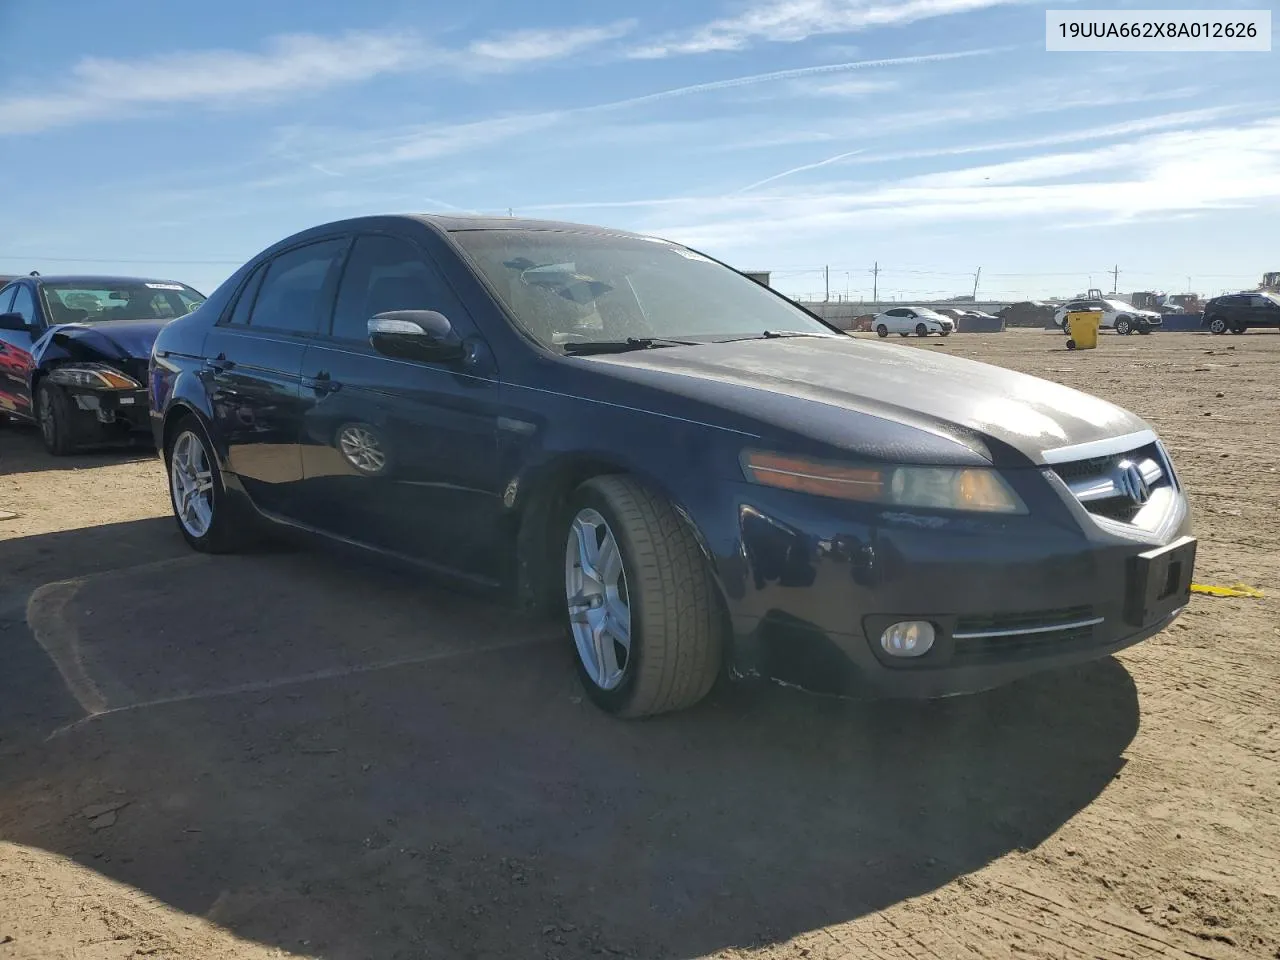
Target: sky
point(812, 138)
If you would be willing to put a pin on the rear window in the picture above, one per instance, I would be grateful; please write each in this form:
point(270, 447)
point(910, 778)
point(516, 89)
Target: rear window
point(133, 300)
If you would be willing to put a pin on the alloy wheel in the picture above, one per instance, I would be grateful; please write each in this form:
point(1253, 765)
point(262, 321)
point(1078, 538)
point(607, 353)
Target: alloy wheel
point(191, 482)
point(362, 449)
point(598, 601)
point(48, 424)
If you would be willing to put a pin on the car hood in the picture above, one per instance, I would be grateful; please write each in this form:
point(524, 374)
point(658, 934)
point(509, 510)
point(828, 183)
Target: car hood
point(112, 340)
point(839, 390)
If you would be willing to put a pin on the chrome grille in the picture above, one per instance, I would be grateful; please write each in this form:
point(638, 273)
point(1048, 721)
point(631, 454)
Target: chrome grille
point(1103, 486)
point(1024, 635)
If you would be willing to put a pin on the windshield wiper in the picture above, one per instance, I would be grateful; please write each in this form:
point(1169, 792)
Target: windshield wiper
point(622, 346)
point(774, 335)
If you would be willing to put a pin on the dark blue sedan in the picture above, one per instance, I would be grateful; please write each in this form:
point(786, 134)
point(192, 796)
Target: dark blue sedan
point(697, 475)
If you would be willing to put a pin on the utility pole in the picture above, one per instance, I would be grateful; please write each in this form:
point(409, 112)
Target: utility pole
point(826, 279)
point(1115, 281)
point(875, 283)
point(975, 284)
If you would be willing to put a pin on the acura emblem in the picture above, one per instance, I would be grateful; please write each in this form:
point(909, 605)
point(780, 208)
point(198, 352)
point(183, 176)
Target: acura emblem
point(1132, 483)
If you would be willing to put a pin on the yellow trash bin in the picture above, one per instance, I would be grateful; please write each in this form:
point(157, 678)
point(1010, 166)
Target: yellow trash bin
point(1083, 325)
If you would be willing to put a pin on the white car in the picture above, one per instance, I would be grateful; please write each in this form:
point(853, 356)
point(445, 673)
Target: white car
point(1117, 315)
point(904, 321)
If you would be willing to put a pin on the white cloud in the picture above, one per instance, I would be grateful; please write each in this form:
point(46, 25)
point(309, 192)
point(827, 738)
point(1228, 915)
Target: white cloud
point(1161, 175)
point(97, 87)
point(794, 20)
point(433, 142)
point(100, 87)
point(529, 46)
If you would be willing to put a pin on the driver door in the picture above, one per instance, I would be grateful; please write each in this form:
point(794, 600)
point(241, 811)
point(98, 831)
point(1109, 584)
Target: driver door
point(16, 362)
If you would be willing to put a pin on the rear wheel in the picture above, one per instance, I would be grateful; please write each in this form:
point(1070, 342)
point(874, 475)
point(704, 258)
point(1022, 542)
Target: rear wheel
point(1237, 328)
point(921, 330)
point(882, 330)
point(642, 607)
point(199, 498)
point(53, 413)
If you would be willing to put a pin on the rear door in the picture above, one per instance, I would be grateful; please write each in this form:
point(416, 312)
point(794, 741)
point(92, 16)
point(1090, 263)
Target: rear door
point(253, 369)
point(402, 454)
point(16, 362)
point(1262, 311)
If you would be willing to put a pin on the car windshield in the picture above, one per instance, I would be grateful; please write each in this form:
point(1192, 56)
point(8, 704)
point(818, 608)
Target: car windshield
point(130, 300)
point(564, 287)
point(1118, 305)
point(1274, 298)
point(926, 312)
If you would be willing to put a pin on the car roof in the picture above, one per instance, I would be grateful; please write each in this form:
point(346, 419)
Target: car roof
point(452, 222)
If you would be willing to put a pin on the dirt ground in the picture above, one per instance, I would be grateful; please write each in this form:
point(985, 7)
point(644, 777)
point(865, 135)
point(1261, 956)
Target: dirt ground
point(287, 754)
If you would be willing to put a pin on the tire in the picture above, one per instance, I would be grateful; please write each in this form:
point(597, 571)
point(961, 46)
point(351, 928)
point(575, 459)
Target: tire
point(226, 529)
point(660, 579)
point(882, 330)
point(1237, 329)
point(921, 330)
point(904, 334)
point(1066, 327)
point(54, 417)
point(944, 333)
point(1124, 326)
point(1217, 325)
point(1071, 344)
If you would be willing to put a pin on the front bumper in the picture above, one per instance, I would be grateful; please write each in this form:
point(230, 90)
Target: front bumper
point(811, 585)
point(110, 412)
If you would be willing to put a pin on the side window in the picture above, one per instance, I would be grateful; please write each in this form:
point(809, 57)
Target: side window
point(290, 296)
point(6, 298)
point(24, 304)
point(240, 315)
point(386, 273)
point(896, 313)
point(1257, 301)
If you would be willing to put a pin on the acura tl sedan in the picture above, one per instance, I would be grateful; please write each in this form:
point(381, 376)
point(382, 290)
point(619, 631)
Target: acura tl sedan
point(698, 477)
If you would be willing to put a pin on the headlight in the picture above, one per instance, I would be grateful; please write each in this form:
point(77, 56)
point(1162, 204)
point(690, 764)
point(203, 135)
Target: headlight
point(943, 488)
point(93, 376)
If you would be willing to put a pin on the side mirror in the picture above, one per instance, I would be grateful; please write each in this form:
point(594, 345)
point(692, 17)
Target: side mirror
point(415, 335)
point(14, 321)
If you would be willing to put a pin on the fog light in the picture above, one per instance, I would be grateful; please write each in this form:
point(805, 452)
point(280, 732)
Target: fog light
point(909, 638)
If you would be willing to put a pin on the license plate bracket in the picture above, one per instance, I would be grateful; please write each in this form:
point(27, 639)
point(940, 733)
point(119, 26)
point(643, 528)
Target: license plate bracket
point(1159, 582)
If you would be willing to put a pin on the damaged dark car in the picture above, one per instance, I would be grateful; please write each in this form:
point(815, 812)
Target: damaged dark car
point(74, 352)
point(693, 474)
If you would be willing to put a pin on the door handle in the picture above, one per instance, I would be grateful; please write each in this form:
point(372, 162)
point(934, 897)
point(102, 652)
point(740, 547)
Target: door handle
point(323, 384)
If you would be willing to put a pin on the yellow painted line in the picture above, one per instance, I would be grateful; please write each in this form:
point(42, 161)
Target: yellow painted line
point(1236, 590)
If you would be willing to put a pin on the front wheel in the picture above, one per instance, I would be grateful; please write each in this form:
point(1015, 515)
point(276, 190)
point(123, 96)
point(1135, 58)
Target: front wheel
point(882, 330)
point(642, 608)
point(198, 496)
point(1218, 325)
point(53, 412)
point(921, 330)
point(1124, 327)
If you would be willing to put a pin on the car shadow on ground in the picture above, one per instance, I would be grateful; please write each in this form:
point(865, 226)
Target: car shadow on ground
point(352, 765)
point(22, 451)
